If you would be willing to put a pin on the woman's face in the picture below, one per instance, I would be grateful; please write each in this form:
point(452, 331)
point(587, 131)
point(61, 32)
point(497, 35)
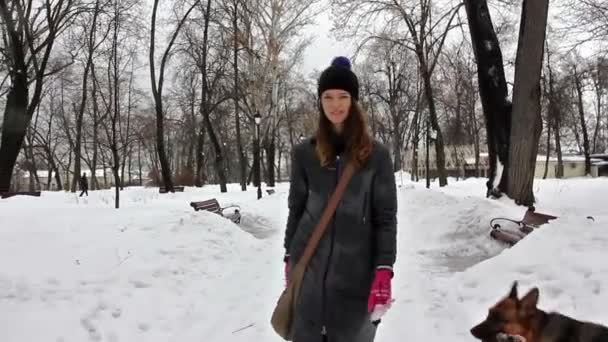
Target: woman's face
point(336, 105)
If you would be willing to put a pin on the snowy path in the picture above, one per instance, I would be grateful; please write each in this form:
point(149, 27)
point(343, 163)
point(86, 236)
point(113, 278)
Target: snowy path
point(77, 270)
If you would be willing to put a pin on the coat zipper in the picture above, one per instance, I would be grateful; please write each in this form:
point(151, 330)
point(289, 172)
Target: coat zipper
point(331, 250)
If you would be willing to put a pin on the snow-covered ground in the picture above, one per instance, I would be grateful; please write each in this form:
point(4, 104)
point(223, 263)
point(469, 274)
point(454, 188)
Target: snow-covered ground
point(75, 269)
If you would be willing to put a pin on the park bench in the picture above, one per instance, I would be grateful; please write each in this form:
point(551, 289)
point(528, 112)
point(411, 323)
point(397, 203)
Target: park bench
point(531, 220)
point(213, 206)
point(163, 190)
point(270, 191)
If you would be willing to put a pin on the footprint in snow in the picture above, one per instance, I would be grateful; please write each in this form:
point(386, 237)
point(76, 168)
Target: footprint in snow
point(116, 312)
point(140, 284)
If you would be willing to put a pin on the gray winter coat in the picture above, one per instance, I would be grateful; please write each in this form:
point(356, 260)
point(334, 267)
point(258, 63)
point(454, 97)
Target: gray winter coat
point(362, 236)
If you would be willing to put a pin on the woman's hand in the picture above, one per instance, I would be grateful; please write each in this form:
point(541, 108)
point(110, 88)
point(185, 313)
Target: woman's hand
point(381, 289)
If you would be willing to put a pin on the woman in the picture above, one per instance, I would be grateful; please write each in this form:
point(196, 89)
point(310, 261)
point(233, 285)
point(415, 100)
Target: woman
point(350, 273)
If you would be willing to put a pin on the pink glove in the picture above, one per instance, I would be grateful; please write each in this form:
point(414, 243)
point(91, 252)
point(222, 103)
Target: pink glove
point(381, 289)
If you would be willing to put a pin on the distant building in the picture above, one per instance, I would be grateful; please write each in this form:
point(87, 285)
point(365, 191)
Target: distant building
point(574, 166)
point(21, 180)
point(462, 164)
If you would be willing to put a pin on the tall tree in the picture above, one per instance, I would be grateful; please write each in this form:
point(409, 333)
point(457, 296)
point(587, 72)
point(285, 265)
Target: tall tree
point(526, 121)
point(578, 86)
point(511, 131)
point(493, 93)
point(91, 47)
point(421, 37)
point(29, 34)
point(157, 90)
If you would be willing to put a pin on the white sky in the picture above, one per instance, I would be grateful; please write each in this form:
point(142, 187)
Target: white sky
point(324, 47)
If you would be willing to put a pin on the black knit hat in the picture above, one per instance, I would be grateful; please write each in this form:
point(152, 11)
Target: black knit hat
point(339, 76)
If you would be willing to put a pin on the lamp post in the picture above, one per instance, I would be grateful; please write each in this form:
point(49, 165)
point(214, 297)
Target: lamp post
point(258, 120)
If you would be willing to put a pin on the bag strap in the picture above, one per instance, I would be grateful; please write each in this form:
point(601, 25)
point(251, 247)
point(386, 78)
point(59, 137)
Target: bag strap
point(325, 218)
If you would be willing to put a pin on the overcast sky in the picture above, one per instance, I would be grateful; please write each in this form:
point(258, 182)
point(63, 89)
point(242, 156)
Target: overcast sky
point(324, 47)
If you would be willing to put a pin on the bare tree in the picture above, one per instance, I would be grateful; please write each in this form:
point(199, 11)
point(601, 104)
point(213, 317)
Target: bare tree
point(29, 34)
point(526, 121)
point(493, 92)
point(272, 39)
point(396, 91)
point(519, 131)
point(578, 86)
point(90, 29)
point(599, 78)
point(157, 90)
point(420, 36)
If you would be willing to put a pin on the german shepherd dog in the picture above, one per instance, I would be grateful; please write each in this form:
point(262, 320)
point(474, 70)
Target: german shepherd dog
point(519, 320)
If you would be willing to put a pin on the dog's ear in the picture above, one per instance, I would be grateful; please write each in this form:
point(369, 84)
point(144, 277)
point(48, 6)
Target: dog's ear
point(513, 293)
point(529, 301)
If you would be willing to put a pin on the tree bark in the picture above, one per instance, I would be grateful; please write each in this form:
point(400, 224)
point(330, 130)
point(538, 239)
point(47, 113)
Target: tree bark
point(270, 157)
point(581, 113)
point(19, 108)
point(548, 148)
point(527, 121)
point(439, 148)
point(554, 117)
point(493, 93)
point(116, 114)
point(14, 126)
point(205, 106)
point(80, 112)
point(94, 180)
point(239, 143)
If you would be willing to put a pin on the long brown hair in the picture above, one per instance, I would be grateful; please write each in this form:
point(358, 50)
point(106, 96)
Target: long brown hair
point(357, 139)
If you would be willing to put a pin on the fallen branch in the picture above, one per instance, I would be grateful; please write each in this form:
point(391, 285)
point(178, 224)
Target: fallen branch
point(243, 328)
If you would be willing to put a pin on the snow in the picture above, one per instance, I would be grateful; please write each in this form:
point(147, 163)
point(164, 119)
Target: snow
point(567, 158)
point(488, 44)
point(75, 269)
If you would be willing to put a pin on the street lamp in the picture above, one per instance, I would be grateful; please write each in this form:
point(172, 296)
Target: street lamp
point(301, 137)
point(258, 120)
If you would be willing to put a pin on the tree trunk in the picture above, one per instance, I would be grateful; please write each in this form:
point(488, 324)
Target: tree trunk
point(31, 157)
point(67, 171)
point(554, 117)
point(548, 148)
point(439, 148)
point(14, 127)
point(158, 106)
point(19, 108)
point(200, 158)
point(116, 114)
point(599, 83)
point(270, 157)
point(94, 180)
point(396, 143)
point(493, 93)
point(126, 143)
point(239, 143)
point(527, 121)
point(415, 143)
point(581, 113)
point(83, 101)
point(205, 110)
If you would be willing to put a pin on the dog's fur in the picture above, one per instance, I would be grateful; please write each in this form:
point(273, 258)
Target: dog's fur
point(521, 317)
